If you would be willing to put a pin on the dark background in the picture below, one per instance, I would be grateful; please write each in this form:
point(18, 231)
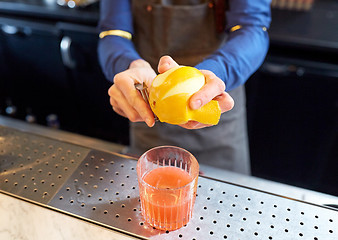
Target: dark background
point(292, 99)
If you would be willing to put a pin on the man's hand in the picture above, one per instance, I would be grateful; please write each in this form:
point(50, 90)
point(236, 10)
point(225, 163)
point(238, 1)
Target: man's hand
point(125, 99)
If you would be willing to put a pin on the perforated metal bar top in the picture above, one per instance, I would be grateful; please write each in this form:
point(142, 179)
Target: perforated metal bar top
point(35, 167)
point(102, 188)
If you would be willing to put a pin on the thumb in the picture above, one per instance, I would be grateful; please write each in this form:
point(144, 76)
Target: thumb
point(165, 63)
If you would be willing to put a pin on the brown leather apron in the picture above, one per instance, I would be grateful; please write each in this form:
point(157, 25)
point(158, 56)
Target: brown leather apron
point(186, 30)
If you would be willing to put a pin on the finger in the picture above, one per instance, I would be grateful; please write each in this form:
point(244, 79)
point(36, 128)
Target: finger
point(120, 112)
point(118, 101)
point(213, 87)
point(226, 102)
point(112, 101)
point(128, 110)
point(139, 105)
point(139, 63)
point(194, 125)
point(111, 90)
point(115, 107)
point(132, 102)
point(165, 63)
point(115, 96)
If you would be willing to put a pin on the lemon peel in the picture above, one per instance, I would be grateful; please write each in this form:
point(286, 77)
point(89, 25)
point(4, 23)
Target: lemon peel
point(169, 96)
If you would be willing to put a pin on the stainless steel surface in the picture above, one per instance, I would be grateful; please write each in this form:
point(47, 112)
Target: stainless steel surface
point(62, 136)
point(270, 186)
point(226, 211)
point(253, 182)
point(101, 187)
point(35, 167)
point(104, 189)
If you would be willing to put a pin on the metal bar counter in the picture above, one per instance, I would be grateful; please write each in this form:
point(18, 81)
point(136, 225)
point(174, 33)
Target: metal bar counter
point(90, 181)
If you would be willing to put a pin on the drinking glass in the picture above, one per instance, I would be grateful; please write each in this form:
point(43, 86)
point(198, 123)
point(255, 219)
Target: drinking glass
point(167, 177)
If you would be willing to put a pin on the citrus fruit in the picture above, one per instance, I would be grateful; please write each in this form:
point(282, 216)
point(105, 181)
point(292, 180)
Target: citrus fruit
point(169, 96)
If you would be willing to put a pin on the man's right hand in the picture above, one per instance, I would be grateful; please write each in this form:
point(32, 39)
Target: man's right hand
point(125, 99)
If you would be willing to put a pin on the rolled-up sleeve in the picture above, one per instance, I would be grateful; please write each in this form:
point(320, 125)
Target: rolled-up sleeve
point(246, 48)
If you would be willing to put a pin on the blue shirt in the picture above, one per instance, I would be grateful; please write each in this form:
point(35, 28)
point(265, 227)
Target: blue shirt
point(233, 62)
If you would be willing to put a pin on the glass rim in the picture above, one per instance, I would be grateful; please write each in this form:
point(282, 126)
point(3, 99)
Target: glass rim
point(166, 189)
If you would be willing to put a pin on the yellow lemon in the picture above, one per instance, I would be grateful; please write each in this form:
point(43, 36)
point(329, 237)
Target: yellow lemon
point(169, 96)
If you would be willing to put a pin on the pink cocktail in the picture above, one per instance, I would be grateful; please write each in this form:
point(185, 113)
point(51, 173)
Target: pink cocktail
point(167, 181)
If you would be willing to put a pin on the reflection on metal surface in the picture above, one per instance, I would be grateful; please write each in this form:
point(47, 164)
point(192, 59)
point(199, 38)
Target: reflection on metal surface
point(101, 187)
